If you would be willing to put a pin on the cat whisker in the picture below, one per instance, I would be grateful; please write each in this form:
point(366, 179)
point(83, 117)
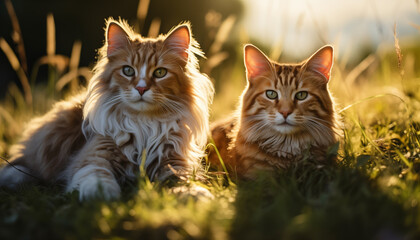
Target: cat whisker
point(330, 126)
point(314, 123)
point(171, 106)
point(316, 119)
point(319, 131)
point(256, 128)
point(113, 101)
point(256, 118)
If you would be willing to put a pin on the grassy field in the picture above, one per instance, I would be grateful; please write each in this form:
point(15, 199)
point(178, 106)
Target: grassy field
point(373, 191)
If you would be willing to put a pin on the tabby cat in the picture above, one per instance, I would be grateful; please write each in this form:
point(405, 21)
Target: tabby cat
point(286, 113)
point(146, 98)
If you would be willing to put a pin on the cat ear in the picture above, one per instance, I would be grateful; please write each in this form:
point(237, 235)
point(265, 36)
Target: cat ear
point(116, 37)
point(256, 62)
point(179, 40)
point(322, 61)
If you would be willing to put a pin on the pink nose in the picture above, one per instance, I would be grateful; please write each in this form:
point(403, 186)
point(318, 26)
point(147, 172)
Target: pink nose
point(285, 113)
point(142, 90)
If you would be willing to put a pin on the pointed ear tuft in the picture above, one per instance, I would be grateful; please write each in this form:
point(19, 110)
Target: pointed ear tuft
point(322, 61)
point(179, 40)
point(256, 62)
point(116, 37)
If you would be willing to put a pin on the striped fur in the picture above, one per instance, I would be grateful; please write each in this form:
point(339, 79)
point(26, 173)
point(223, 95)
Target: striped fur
point(268, 134)
point(99, 137)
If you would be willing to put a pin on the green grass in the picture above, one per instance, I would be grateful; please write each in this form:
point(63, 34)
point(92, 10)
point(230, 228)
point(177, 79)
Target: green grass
point(372, 192)
point(366, 196)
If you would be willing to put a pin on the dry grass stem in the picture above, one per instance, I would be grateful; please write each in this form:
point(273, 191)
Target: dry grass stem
point(72, 75)
point(154, 28)
point(50, 35)
point(142, 11)
point(362, 66)
point(14, 62)
point(74, 63)
point(415, 25)
point(17, 35)
point(222, 34)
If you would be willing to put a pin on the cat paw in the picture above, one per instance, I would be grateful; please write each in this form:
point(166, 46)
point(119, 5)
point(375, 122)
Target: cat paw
point(97, 188)
point(11, 177)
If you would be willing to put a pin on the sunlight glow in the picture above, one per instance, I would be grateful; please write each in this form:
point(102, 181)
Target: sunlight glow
point(300, 26)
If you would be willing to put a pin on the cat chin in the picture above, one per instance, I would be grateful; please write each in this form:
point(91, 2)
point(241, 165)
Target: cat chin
point(286, 129)
point(141, 106)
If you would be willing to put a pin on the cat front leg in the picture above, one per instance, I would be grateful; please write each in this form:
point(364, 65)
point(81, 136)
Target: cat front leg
point(12, 176)
point(94, 181)
point(92, 173)
point(182, 176)
point(174, 169)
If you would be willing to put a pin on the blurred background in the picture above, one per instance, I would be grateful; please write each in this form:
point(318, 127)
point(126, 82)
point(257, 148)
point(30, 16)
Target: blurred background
point(48, 46)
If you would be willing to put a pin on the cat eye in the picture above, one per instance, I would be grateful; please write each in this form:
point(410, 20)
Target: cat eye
point(128, 71)
point(271, 94)
point(160, 72)
point(302, 95)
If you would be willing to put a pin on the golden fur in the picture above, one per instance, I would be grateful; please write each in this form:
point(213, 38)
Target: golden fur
point(268, 134)
point(99, 137)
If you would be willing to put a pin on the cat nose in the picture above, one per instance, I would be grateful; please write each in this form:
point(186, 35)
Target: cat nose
point(142, 90)
point(285, 113)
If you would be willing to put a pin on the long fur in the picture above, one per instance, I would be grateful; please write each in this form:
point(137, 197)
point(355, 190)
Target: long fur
point(189, 120)
point(99, 136)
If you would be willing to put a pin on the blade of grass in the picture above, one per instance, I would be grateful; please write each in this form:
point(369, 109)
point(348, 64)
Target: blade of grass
point(368, 99)
point(50, 35)
point(142, 11)
point(320, 28)
point(18, 98)
point(215, 60)
point(404, 159)
point(414, 25)
point(9, 119)
point(60, 62)
point(51, 52)
point(154, 28)
point(68, 77)
point(14, 62)
point(411, 129)
point(74, 63)
point(213, 145)
point(399, 57)
point(362, 66)
point(222, 34)
point(17, 35)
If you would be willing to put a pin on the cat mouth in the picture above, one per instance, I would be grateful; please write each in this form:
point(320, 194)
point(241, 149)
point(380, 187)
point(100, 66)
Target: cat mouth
point(140, 103)
point(142, 100)
point(285, 123)
point(285, 128)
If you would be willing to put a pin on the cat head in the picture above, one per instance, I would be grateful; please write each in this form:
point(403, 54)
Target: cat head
point(288, 99)
point(156, 79)
point(146, 75)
